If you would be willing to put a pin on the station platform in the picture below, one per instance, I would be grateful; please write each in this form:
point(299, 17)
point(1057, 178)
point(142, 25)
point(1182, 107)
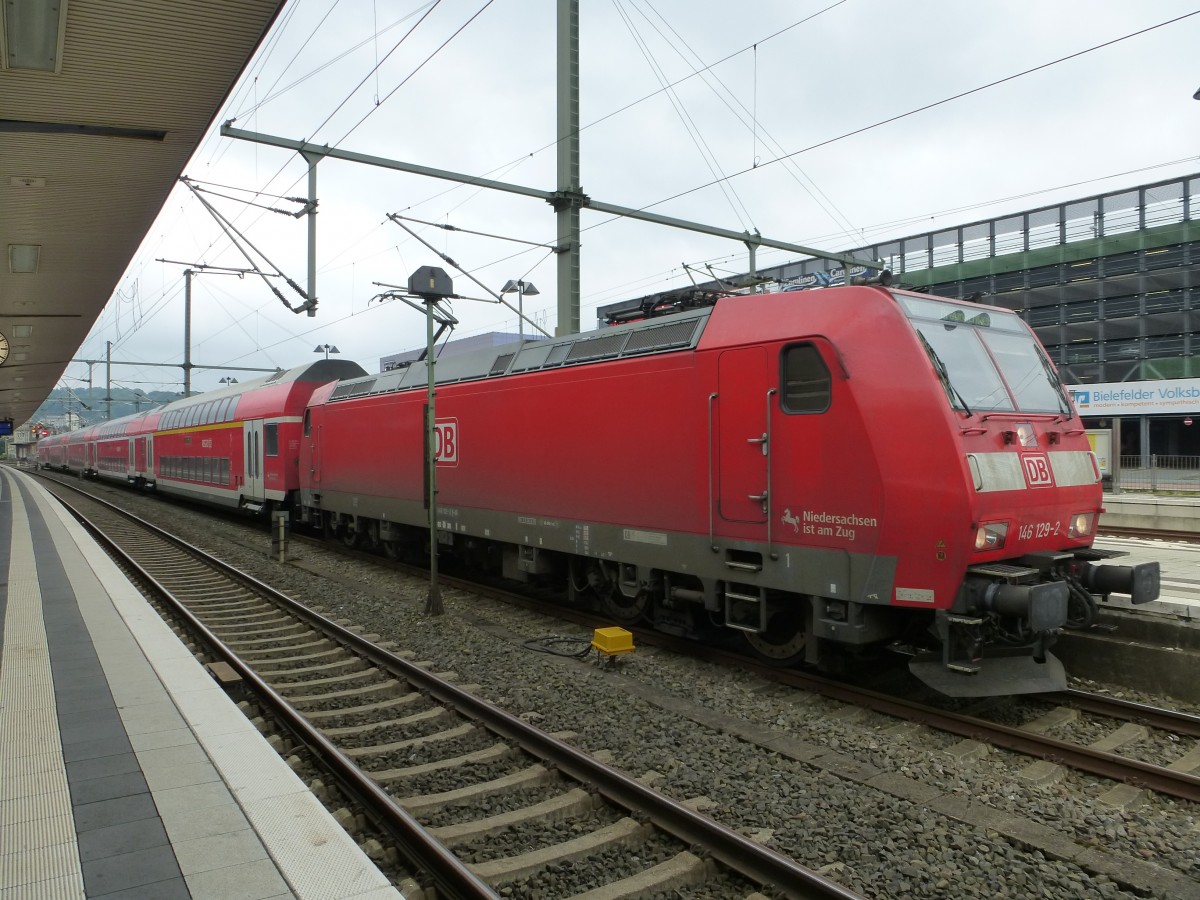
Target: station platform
point(1152, 512)
point(125, 771)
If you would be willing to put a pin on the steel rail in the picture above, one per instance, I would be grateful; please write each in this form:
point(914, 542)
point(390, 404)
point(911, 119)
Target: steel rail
point(1097, 762)
point(756, 862)
point(1128, 710)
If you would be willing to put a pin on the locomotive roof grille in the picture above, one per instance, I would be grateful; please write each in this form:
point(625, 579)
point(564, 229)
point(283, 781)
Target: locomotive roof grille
point(500, 366)
point(352, 389)
point(597, 348)
point(636, 339)
point(663, 337)
point(532, 356)
point(557, 354)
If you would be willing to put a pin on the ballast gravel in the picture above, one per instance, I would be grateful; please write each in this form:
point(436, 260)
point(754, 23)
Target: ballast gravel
point(878, 842)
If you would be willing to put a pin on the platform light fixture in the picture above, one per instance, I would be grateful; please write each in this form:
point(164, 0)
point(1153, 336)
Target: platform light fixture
point(23, 258)
point(327, 348)
point(33, 32)
point(522, 289)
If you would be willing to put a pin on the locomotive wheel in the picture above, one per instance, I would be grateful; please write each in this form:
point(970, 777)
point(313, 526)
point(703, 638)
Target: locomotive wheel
point(625, 610)
point(783, 643)
point(371, 536)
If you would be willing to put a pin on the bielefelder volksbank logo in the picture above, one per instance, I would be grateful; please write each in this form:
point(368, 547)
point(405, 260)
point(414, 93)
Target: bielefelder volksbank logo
point(1081, 399)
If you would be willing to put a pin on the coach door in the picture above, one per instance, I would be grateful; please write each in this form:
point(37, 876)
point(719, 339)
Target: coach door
point(742, 405)
point(253, 433)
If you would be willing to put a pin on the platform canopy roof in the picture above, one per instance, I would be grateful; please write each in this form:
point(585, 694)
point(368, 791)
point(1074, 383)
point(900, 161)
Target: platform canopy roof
point(102, 102)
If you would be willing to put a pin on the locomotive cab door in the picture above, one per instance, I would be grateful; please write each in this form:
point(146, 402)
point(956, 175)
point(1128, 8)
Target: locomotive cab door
point(314, 449)
point(743, 404)
point(252, 432)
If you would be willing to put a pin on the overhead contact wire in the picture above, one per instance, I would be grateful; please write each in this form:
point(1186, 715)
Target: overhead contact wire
point(928, 106)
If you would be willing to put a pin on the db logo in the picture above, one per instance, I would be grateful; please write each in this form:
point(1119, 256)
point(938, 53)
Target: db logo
point(445, 436)
point(1037, 470)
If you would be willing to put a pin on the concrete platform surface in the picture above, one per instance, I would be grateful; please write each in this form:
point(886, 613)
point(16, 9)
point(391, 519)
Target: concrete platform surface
point(125, 772)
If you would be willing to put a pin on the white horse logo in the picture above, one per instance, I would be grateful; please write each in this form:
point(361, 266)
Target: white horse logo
point(788, 519)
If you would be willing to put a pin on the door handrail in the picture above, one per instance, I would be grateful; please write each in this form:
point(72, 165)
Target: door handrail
point(712, 541)
point(767, 448)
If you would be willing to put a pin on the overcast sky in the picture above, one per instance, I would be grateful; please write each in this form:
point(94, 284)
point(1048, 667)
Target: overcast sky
point(807, 73)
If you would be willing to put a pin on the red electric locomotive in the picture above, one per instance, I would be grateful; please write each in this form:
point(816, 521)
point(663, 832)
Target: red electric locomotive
point(825, 473)
point(237, 446)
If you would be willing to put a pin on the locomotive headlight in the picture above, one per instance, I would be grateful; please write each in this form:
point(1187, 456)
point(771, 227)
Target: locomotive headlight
point(1081, 524)
point(991, 536)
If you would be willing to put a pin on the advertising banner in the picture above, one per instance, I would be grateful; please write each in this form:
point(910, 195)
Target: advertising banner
point(1179, 396)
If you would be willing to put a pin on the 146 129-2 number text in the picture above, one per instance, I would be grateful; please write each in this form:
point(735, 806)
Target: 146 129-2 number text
point(1033, 530)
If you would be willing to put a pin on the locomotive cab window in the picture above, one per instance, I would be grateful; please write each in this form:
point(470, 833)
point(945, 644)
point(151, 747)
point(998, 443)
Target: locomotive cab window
point(807, 387)
point(986, 359)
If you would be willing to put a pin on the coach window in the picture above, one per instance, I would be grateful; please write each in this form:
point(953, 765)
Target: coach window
point(806, 384)
point(271, 438)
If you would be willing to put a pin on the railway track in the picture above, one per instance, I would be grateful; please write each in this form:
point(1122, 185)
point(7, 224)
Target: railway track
point(1060, 736)
point(471, 800)
point(1048, 738)
point(1182, 537)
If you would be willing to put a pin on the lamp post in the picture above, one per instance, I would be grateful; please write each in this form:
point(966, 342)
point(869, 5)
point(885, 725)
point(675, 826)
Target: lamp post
point(427, 288)
point(327, 348)
point(522, 289)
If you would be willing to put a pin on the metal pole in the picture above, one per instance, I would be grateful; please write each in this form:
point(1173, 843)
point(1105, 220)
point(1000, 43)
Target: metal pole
point(567, 204)
point(187, 332)
point(312, 233)
point(521, 310)
point(433, 603)
point(108, 381)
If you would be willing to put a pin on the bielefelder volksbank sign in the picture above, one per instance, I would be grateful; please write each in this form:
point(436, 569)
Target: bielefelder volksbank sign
point(1137, 398)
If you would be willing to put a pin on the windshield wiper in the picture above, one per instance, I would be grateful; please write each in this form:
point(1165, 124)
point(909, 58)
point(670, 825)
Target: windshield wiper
point(943, 373)
point(1063, 405)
